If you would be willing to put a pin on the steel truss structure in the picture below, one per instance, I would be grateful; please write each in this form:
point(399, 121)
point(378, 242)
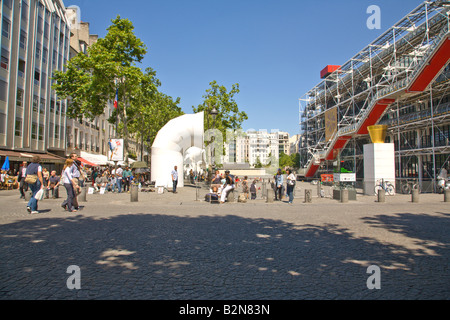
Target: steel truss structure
point(402, 80)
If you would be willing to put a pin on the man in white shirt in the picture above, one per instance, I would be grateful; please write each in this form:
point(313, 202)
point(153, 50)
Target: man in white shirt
point(119, 173)
point(174, 174)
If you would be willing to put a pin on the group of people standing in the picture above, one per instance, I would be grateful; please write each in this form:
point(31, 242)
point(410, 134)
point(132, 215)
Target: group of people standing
point(279, 185)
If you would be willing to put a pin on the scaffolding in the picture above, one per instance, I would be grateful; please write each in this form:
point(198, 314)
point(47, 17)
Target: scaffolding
point(402, 80)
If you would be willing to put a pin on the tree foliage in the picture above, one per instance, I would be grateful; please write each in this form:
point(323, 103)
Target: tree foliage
point(229, 116)
point(112, 63)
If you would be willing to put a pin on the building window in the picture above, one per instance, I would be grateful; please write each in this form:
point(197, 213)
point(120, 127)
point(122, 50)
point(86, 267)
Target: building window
point(43, 80)
point(42, 106)
point(6, 28)
point(3, 90)
point(24, 11)
point(44, 55)
point(23, 39)
point(7, 3)
point(18, 130)
point(41, 132)
point(38, 52)
point(37, 76)
point(35, 103)
point(34, 131)
point(5, 59)
point(21, 68)
point(2, 123)
point(56, 132)
point(19, 98)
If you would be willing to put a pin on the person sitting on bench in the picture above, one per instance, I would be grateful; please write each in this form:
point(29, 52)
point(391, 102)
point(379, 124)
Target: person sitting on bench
point(227, 187)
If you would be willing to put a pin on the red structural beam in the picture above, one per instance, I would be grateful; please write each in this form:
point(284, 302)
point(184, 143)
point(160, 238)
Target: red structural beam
point(339, 144)
point(375, 115)
point(436, 63)
point(312, 171)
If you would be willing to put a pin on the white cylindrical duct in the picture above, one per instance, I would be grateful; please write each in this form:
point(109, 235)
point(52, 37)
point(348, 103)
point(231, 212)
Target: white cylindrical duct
point(171, 142)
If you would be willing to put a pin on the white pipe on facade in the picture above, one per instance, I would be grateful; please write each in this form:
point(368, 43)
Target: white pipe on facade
point(170, 144)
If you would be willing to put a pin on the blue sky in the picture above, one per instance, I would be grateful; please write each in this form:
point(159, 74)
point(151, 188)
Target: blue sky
point(274, 49)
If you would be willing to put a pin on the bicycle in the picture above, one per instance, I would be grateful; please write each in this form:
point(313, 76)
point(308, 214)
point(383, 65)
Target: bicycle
point(409, 185)
point(386, 186)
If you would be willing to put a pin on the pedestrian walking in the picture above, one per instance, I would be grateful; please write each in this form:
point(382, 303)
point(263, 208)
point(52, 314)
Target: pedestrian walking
point(119, 173)
point(174, 174)
point(33, 177)
point(290, 185)
point(23, 186)
point(70, 184)
point(75, 168)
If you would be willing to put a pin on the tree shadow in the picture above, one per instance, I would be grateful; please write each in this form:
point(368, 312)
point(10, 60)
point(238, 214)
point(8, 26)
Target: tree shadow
point(151, 256)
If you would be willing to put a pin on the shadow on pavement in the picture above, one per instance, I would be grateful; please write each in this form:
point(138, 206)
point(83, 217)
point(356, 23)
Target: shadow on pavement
point(149, 256)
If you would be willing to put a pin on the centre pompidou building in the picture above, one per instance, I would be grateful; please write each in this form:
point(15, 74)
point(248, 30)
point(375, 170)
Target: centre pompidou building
point(401, 80)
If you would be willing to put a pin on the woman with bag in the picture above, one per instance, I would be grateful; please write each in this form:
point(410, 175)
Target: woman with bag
point(290, 185)
point(33, 177)
point(69, 183)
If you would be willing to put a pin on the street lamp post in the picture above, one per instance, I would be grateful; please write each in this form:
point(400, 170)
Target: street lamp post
point(213, 113)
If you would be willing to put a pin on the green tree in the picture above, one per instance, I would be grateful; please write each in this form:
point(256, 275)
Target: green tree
point(228, 116)
point(285, 160)
point(295, 157)
point(258, 163)
point(91, 80)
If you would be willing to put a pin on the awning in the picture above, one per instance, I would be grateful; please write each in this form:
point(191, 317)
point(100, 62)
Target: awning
point(96, 159)
point(27, 156)
point(88, 163)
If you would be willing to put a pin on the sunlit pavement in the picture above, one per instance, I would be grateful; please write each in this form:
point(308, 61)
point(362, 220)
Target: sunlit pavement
point(176, 246)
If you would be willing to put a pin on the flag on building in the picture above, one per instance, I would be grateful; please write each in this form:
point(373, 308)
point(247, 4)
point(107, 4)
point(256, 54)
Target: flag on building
point(116, 100)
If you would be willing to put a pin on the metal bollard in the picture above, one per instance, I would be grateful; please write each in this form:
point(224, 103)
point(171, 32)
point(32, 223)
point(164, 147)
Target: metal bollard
point(447, 195)
point(344, 195)
point(134, 193)
point(308, 195)
point(415, 195)
point(82, 196)
point(381, 195)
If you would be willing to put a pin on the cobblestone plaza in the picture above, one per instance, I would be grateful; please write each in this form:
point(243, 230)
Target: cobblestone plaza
point(173, 247)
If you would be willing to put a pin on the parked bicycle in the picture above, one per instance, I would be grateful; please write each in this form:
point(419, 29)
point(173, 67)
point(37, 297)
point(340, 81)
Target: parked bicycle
point(386, 186)
point(409, 185)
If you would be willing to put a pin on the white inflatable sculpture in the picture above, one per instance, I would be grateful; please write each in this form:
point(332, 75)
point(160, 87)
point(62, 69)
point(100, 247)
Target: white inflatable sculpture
point(194, 157)
point(171, 142)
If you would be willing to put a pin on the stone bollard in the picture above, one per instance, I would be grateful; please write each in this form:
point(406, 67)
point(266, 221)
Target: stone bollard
point(82, 196)
point(415, 195)
point(308, 196)
point(344, 195)
point(230, 196)
point(447, 195)
point(381, 195)
point(134, 193)
point(269, 195)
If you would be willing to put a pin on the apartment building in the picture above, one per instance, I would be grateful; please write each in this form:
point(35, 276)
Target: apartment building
point(35, 42)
